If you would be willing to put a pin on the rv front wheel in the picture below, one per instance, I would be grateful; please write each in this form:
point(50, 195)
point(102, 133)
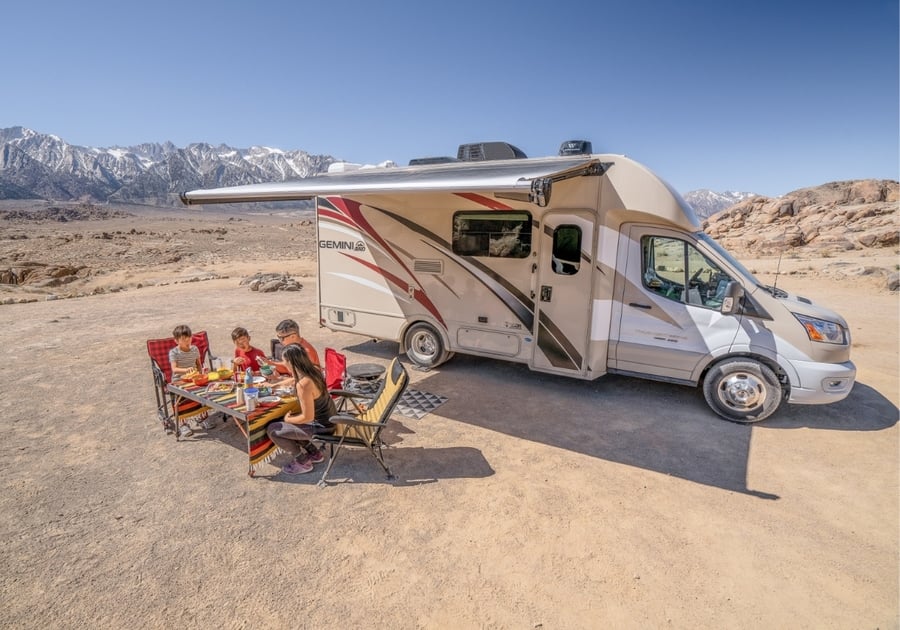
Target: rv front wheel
point(742, 390)
point(424, 346)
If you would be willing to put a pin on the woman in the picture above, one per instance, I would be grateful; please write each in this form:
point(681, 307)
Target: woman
point(294, 433)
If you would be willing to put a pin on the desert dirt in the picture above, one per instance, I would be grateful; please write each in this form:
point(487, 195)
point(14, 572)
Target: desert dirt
point(524, 501)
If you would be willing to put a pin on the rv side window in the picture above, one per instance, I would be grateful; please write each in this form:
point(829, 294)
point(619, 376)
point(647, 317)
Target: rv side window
point(566, 250)
point(494, 234)
point(670, 264)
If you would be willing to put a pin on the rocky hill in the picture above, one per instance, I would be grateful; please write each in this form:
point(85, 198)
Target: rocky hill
point(831, 218)
point(41, 166)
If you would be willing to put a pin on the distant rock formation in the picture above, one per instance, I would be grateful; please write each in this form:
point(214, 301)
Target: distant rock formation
point(834, 217)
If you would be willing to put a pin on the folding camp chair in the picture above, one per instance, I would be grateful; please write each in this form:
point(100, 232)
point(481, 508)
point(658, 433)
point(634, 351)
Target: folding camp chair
point(166, 403)
point(336, 378)
point(363, 426)
point(335, 369)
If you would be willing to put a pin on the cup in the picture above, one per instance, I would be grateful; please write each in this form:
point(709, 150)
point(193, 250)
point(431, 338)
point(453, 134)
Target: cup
point(251, 395)
point(239, 395)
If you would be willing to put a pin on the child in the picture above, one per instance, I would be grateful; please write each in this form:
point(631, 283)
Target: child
point(245, 355)
point(185, 356)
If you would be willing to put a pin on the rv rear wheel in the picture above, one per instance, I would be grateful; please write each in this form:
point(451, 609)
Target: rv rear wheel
point(424, 346)
point(742, 390)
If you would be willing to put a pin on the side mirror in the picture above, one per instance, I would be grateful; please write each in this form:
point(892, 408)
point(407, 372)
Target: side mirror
point(731, 303)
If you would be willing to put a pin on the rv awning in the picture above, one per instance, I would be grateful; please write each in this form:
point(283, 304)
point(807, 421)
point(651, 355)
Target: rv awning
point(532, 177)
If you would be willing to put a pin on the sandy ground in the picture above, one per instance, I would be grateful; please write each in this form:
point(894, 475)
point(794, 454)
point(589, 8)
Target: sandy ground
point(525, 501)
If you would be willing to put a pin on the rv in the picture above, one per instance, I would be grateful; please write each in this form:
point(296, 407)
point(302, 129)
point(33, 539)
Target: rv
point(579, 264)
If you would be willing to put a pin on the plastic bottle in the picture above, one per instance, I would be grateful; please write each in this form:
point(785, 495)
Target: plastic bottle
point(248, 378)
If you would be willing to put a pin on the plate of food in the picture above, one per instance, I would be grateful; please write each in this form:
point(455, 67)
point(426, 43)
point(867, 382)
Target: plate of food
point(220, 387)
point(259, 379)
point(270, 399)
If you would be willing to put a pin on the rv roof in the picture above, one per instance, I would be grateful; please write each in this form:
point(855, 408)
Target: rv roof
point(494, 176)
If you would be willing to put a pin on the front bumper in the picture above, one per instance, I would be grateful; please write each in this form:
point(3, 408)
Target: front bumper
point(822, 383)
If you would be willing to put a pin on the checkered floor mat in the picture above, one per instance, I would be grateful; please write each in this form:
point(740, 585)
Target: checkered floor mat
point(415, 404)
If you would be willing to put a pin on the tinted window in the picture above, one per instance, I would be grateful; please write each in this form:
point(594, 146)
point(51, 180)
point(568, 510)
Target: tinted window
point(566, 250)
point(493, 234)
point(676, 270)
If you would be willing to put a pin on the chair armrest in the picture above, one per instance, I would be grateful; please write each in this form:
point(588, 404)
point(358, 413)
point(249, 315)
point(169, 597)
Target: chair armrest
point(345, 393)
point(352, 421)
point(343, 396)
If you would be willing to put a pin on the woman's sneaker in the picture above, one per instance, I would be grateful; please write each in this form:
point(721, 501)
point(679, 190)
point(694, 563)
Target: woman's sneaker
point(185, 431)
point(296, 467)
point(315, 458)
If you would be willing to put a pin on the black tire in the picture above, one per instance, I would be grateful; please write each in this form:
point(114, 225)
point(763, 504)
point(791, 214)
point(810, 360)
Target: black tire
point(424, 346)
point(742, 390)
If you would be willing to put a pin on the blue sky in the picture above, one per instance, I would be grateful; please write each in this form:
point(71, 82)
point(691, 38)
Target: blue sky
point(765, 96)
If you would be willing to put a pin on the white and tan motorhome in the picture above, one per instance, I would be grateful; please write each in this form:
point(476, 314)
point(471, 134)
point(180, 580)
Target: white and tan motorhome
point(580, 265)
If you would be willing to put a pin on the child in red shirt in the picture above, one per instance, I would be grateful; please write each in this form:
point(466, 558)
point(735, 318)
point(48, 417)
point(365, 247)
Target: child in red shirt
point(245, 355)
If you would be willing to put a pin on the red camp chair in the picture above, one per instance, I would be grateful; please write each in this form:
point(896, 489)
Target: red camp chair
point(335, 369)
point(166, 403)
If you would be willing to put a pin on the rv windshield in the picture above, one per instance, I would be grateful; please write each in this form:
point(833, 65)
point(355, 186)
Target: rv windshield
point(731, 260)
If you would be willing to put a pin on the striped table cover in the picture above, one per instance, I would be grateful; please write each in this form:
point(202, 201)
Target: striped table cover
point(260, 449)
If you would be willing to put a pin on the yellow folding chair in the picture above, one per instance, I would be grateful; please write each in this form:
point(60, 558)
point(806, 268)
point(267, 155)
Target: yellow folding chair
point(362, 426)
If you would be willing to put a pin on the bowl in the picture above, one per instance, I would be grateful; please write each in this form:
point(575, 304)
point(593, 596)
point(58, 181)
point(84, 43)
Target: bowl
point(201, 379)
point(224, 373)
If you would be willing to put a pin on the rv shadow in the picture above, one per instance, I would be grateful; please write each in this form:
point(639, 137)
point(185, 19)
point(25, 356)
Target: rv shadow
point(865, 409)
point(655, 426)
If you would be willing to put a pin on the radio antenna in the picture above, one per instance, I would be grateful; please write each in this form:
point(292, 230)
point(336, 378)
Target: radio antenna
point(778, 268)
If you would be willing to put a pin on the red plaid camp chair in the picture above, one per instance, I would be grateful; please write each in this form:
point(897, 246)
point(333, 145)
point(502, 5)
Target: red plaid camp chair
point(166, 403)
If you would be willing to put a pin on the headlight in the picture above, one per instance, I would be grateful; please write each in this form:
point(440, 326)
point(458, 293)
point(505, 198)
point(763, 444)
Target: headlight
point(822, 330)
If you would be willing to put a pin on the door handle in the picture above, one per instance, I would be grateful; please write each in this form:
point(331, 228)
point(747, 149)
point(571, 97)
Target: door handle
point(636, 305)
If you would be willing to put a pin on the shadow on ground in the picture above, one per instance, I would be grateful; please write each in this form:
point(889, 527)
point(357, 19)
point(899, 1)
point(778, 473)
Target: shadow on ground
point(655, 426)
point(412, 466)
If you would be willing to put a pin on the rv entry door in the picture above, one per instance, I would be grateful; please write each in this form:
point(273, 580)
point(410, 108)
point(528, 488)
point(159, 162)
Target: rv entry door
point(562, 295)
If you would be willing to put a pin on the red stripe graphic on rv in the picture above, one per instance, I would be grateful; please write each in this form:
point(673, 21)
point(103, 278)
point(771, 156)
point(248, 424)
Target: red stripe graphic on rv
point(337, 216)
point(351, 209)
point(418, 295)
point(493, 204)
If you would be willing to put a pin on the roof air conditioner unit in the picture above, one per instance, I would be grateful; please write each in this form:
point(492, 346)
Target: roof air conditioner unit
point(482, 151)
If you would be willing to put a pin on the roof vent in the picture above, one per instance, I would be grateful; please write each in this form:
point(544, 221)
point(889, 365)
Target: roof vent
point(576, 147)
point(481, 151)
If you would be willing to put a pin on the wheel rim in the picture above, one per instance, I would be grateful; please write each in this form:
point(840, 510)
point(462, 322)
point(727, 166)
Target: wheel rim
point(742, 391)
point(423, 346)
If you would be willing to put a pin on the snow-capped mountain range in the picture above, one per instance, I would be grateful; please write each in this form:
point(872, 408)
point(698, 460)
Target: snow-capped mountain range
point(707, 202)
point(35, 165)
point(41, 166)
